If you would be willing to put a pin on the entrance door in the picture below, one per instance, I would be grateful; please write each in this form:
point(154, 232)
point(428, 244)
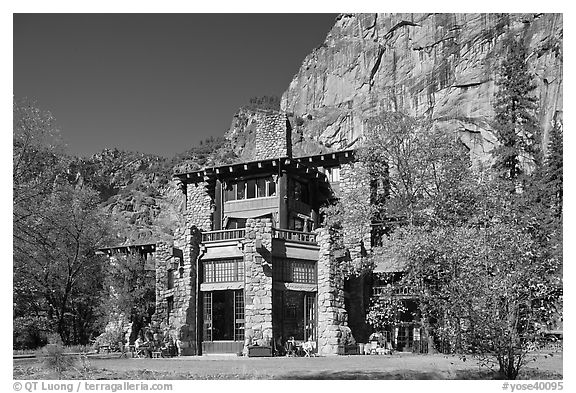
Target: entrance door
point(223, 321)
point(309, 316)
point(294, 315)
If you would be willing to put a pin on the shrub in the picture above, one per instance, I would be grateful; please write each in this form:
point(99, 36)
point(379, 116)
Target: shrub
point(53, 357)
point(30, 332)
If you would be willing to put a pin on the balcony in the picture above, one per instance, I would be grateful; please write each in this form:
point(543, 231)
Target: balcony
point(385, 290)
point(240, 233)
point(226, 234)
point(295, 236)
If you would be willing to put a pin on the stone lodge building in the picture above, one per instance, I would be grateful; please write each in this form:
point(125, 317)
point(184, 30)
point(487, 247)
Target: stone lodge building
point(253, 261)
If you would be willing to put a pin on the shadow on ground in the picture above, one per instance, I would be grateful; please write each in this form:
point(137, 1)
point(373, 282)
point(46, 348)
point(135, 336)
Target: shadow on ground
point(388, 375)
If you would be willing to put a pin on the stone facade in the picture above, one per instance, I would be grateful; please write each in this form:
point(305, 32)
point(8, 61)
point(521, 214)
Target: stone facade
point(273, 136)
point(181, 257)
point(258, 280)
point(181, 320)
point(355, 182)
point(198, 207)
point(332, 315)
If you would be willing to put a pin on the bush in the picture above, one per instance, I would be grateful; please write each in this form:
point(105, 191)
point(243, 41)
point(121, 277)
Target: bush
point(30, 332)
point(53, 357)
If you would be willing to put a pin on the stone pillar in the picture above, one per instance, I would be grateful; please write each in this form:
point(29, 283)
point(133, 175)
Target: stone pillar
point(332, 316)
point(182, 321)
point(258, 280)
point(198, 203)
point(273, 136)
point(355, 188)
point(162, 259)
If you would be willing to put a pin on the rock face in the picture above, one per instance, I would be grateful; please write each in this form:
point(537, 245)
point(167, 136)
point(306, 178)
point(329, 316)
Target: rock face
point(442, 66)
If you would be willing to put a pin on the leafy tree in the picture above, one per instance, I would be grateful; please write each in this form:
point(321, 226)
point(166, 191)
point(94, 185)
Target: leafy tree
point(515, 121)
point(421, 174)
point(56, 260)
point(132, 291)
point(57, 228)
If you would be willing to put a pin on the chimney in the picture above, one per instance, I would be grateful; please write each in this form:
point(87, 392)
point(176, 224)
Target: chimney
point(273, 136)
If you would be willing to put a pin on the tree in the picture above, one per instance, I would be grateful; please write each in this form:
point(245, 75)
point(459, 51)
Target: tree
point(132, 291)
point(57, 229)
point(56, 261)
point(420, 173)
point(515, 121)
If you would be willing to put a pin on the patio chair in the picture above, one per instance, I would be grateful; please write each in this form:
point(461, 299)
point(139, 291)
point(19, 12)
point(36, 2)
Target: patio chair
point(291, 349)
point(309, 348)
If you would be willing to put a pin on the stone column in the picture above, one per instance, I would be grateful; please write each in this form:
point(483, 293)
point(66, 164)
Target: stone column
point(182, 321)
point(332, 314)
point(355, 182)
point(198, 202)
point(258, 280)
point(273, 136)
point(161, 260)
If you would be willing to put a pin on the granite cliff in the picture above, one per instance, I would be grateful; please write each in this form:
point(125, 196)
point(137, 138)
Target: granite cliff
point(442, 66)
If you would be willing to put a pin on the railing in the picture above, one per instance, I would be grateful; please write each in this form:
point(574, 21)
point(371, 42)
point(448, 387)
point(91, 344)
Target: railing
point(226, 234)
point(233, 234)
point(394, 291)
point(286, 234)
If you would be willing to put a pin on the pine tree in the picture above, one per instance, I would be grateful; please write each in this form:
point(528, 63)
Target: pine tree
point(515, 121)
point(553, 175)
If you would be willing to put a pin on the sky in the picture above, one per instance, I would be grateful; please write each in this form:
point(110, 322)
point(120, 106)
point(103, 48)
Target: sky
point(155, 83)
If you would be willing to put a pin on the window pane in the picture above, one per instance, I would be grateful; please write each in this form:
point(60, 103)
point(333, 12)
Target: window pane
point(239, 315)
point(224, 270)
point(261, 186)
point(240, 190)
point(170, 278)
point(299, 271)
point(336, 173)
point(229, 193)
point(207, 316)
point(297, 190)
point(251, 189)
point(271, 187)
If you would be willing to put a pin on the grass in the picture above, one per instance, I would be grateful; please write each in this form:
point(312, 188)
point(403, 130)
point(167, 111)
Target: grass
point(401, 367)
point(67, 349)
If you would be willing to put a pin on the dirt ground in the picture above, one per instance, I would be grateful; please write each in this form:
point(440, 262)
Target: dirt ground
point(397, 366)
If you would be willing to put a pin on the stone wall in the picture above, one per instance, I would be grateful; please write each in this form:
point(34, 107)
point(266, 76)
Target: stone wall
point(182, 320)
point(332, 316)
point(273, 136)
point(355, 189)
point(355, 181)
point(258, 280)
point(198, 202)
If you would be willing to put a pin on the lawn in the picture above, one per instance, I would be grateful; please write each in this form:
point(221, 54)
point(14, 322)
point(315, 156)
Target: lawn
point(398, 366)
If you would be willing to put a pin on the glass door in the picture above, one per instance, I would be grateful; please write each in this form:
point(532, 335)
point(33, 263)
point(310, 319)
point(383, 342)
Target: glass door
point(309, 316)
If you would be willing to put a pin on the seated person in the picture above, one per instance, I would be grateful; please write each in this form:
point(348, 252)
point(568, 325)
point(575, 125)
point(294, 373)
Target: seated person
point(291, 346)
point(309, 346)
point(278, 347)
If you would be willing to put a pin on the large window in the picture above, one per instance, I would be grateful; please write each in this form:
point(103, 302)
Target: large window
point(294, 270)
point(224, 270)
point(249, 189)
point(299, 191)
point(223, 315)
point(170, 278)
point(333, 174)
